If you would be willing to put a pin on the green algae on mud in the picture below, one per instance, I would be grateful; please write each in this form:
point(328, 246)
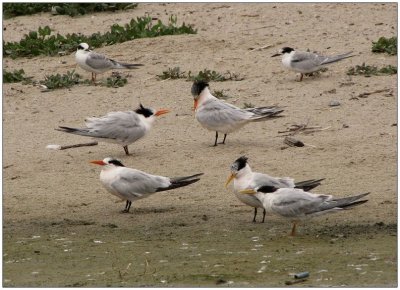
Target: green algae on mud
point(92, 255)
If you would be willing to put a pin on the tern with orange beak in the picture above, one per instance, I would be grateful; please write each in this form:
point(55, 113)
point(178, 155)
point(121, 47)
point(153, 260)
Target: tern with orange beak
point(297, 204)
point(244, 178)
point(221, 117)
point(131, 184)
point(122, 128)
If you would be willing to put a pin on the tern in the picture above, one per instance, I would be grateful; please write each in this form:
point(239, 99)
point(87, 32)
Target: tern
point(98, 63)
point(244, 178)
point(131, 184)
point(221, 117)
point(122, 128)
point(297, 204)
point(307, 62)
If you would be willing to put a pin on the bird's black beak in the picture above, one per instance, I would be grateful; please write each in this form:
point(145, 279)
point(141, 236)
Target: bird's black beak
point(277, 54)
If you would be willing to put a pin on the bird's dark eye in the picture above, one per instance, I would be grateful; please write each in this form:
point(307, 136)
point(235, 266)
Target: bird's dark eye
point(80, 47)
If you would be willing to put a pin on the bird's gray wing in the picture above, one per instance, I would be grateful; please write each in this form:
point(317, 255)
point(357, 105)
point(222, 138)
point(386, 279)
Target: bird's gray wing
point(215, 113)
point(133, 183)
point(260, 179)
point(121, 126)
point(292, 203)
point(307, 61)
point(99, 61)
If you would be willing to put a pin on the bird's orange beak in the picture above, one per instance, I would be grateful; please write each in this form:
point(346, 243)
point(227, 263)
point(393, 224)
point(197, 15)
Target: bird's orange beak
point(230, 177)
point(98, 162)
point(161, 112)
point(195, 105)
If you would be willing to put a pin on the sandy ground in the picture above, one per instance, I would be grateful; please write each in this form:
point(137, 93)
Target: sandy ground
point(60, 226)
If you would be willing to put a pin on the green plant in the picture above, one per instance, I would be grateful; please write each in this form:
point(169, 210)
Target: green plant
point(71, 9)
point(172, 73)
point(388, 45)
point(61, 81)
point(15, 77)
point(248, 105)
point(43, 42)
point(368, 70)
point(219, 94)
point(115, 81)
point(208, 75)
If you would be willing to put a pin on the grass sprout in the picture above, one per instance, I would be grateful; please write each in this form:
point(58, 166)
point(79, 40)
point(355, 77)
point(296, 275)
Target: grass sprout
point(371, 70)
point(58, 81)
point(116, 80)
point(211, 75)
point(388, 45)
point(15, 77)
point(172, 73)
point(219, 94)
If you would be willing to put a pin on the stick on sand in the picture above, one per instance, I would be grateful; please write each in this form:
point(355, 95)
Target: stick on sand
point(59, 147)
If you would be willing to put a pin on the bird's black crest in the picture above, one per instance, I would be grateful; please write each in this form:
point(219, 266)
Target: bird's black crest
point(116, 162)
point(241, 162)
point(198, 87)
point(287, 49)
point(144, 111)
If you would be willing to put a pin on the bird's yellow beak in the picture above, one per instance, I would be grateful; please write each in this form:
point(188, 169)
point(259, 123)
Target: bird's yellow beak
point(98, 162)
point(248, 191)
point(230, 177)
point(161, 112)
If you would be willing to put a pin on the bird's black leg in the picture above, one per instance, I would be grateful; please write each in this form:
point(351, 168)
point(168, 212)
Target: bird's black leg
point(223, 142)
point(301, 77)
point(216, 138)
point(127, 206)
point(126, 149)
point(264, 212)
point(255, 214)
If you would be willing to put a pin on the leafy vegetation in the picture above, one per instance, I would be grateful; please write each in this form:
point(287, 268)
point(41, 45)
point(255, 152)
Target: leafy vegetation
point(61, 81)
point(172, 73)
point(208, 75)
point(43, 42)
point(205, 75)
point(15, 77)
point(219, 94)
point(71, 9)
point(248, 105)
point(388, 45)
point(115, 81)
point(368, 70)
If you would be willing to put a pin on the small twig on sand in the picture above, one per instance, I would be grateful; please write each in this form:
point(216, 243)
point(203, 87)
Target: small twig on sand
point(303, 128)
point(59, 147)
point(260, 48)
point(364, 95)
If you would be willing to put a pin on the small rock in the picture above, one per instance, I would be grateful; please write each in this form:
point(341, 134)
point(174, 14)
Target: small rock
point(394, 125)
point(334, 103)
point(345, 126)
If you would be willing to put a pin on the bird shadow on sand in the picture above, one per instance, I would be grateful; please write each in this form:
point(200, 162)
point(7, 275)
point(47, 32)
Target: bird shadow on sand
point(151, 210)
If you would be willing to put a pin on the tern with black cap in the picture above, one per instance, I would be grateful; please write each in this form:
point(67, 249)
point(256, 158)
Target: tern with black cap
point(122, 128)
point(97, 63)
point(131, 184)
point(244, 178)
point(219, 116)
point(307, 62)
